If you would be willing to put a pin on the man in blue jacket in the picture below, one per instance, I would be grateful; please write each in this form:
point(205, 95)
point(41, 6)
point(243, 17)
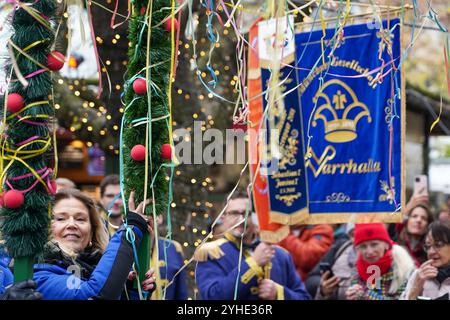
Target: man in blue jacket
point(266, 271)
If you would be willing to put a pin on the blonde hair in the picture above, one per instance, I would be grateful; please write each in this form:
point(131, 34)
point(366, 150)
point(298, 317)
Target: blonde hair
point(99, 233)
point(403, 266)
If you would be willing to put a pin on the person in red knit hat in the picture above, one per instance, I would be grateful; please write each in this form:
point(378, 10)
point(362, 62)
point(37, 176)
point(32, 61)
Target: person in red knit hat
point(383, 267)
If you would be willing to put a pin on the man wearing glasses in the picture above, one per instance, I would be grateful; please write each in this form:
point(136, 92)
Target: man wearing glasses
point(261, 271)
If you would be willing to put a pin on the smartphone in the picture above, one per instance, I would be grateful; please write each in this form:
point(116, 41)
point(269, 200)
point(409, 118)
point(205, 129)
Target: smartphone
point(421, 185)
point(324, 267)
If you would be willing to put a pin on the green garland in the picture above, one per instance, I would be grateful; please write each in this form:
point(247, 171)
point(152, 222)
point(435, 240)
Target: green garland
point(25, 229)
point(136, 107)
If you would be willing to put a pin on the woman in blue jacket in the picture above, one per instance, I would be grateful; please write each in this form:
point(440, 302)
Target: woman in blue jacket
point(78, 263)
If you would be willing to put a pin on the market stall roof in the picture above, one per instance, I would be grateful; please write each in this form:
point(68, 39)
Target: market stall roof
point(420, 101)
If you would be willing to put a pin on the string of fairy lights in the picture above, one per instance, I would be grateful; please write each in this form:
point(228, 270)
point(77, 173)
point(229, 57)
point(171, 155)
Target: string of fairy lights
point(199, 211)
point(78, 88)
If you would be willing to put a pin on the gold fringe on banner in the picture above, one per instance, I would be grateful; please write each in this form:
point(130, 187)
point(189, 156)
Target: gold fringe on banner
point(360, 217)
point(274, 236)
point(289, 219)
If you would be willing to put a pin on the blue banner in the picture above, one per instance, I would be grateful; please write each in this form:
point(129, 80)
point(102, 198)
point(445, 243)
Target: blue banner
point(349, 88)
point(286, 178)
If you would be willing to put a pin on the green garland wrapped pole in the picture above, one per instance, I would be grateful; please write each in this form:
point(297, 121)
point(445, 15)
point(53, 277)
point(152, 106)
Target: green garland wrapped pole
point(27, 176)
point(145, 141)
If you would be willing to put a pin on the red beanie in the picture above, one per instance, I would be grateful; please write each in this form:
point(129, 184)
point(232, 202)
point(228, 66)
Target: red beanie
point(371, 231)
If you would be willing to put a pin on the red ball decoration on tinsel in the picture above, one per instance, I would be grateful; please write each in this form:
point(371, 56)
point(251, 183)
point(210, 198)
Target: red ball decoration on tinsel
point(166, 151)
point(143, 11)
point(168, 25)
point(15, 102)
point(13, 199)
point(138, 152)
point(140, 86)
point(55, 61)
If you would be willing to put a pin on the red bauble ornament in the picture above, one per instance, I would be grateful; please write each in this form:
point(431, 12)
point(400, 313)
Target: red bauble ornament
point(55, 61)
point(15, 102)
point(138, 152)
point(13, 199)
point(143, 10)
point(140, 86)
point(168, 25)
point(166, 151)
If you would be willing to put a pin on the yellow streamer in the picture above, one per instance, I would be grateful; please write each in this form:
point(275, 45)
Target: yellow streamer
point(35, 44)
point(33, 116)
point(437, 119)
point(27, 55)
point(14, 158)
point(32, 12)
point(36, 103)
point(35, 154)
point(169, 91)
point(55, 149)
point(27, 144)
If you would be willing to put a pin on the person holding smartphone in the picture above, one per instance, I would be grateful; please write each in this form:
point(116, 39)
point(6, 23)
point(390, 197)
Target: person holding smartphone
point(412, 232)
point(417, 216)
point(335, 269)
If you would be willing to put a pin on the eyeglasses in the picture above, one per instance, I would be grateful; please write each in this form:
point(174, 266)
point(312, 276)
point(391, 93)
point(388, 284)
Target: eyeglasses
point(235, 213)
point(437, 246)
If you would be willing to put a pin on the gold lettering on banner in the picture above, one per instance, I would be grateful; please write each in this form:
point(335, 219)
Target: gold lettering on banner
point(285, 134)
point(286, 183)
point(287, 174)
point(352, 167)
point(288, 143)
point(321, 165)
point(328, 154)
point(336, 62)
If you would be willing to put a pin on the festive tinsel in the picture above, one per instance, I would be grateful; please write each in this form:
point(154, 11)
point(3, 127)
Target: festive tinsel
point(25, 229)
point(136, 106)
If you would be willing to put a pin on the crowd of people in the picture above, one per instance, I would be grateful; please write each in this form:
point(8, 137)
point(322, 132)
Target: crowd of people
point(91, 255)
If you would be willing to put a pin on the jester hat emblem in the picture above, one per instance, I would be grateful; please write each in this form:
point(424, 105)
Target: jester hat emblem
point(341, 113)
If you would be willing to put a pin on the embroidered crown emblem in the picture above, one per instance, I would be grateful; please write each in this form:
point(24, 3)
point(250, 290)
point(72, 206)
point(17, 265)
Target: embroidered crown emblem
point(340, 114)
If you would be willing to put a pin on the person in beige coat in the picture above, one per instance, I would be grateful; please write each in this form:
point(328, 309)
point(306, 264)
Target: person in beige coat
point(432, 279)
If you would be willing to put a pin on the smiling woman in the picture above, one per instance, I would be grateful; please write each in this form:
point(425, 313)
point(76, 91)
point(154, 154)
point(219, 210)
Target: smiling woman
point(79, 263)
point(76, 223)
point(413, 230)
point(432, 279)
